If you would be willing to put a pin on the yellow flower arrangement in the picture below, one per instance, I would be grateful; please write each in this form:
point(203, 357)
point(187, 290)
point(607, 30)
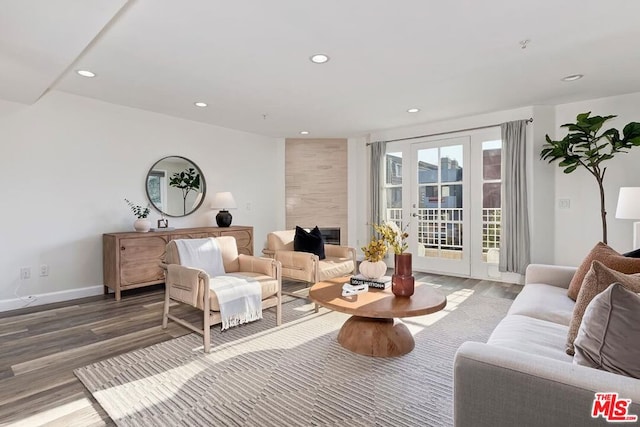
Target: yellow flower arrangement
point(375, 250)
point(393, 236)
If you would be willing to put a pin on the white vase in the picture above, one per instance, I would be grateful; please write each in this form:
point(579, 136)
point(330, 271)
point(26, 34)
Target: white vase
point(372, 270)
point(142, 225)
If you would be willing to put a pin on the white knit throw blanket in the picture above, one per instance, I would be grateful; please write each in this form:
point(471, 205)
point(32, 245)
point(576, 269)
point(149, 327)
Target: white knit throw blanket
point(204, 254)
point(240, 299)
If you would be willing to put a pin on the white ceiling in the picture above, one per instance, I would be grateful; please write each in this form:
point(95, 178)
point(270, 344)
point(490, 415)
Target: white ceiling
point(249, 58)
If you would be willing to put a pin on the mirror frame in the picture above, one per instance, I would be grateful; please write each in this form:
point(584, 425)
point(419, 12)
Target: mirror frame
point(203, 185)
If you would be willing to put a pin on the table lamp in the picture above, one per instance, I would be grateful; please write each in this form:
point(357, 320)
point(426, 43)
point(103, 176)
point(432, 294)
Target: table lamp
point(629, 208)
point(223, 201)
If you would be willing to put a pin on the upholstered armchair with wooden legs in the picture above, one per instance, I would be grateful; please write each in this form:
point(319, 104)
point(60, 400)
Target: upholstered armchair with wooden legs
point(190, 286)
point(307, 267)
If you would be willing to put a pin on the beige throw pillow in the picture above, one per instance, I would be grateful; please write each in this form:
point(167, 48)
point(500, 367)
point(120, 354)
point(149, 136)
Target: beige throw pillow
point(609, 336)
point(596, 280)
point(608, 257)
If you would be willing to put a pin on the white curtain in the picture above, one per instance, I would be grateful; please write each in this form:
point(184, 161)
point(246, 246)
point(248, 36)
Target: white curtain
point(378, 151)
point(514, 239)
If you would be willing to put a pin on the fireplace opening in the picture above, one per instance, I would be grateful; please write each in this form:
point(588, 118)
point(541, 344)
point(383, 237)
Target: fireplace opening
point(331, 235)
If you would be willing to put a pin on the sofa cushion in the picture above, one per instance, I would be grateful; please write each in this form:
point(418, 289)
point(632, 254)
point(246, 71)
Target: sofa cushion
point(281, 240)
point(612, 259)
point(309, 241)
point(609, 336)
point(544, 302)
point(268, 285)
point(332, 267)
point(599, 278)
point(532, 336)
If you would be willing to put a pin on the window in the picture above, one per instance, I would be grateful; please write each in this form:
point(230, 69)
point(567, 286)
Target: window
point(440, 174)
point(491, 194)
point(156, 187)
point(397, 173)
point(393, 188)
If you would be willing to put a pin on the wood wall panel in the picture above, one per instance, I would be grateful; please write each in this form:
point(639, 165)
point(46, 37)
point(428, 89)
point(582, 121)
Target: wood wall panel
point(316, 183)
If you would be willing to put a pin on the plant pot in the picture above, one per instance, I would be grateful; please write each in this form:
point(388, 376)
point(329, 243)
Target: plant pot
point(142, 225)
point(372, 270)
point(402, 281)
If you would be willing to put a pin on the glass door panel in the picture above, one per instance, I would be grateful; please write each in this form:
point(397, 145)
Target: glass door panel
point(440, 211)
point(491, 200)
point(393, 188)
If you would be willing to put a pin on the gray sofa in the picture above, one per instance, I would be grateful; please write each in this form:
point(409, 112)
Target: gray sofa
point(522, 375)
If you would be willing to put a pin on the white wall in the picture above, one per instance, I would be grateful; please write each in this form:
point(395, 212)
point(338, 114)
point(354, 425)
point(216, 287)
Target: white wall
point(541, 185)
point(68, 162)
point(579, 228)
point(358, 190)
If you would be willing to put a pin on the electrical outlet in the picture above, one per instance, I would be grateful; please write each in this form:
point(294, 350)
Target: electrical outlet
point(25, 273)
point(44, 270)
point(564, 203)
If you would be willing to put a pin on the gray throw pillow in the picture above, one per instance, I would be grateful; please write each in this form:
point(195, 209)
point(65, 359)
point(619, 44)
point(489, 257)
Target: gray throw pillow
point(609, 335)
point(599, 278)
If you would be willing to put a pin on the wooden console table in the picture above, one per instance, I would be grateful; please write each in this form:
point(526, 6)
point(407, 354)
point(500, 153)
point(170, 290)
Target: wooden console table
point(131, 260)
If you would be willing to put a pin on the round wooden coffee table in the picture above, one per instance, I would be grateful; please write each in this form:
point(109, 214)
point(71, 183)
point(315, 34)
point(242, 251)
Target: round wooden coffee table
point(375, 328)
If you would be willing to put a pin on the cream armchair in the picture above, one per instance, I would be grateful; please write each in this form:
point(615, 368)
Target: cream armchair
point(307, 267)
point(191, 285)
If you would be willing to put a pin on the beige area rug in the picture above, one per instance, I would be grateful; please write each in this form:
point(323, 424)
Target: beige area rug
point(295, 374)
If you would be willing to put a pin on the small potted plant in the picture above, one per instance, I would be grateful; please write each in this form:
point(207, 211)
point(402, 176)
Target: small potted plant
point(392, 235)
point(402, 280)
point(188, 180)
point(142, 224)
point(373, 267)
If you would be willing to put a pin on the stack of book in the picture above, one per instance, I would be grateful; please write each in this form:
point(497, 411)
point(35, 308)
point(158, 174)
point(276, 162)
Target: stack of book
point(380, 283)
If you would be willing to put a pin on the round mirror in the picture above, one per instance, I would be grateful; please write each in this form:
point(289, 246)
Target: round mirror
point(175, 186)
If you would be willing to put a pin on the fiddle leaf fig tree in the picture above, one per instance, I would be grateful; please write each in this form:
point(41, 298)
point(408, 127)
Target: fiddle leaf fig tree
point(186, 181)
point(585, 146)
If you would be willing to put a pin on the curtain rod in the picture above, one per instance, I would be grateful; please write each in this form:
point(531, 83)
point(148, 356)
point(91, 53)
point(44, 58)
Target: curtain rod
point(529, 120)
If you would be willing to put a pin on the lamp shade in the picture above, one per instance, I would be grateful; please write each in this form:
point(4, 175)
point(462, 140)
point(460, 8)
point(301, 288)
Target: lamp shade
point(628, 203)
point(223, 200)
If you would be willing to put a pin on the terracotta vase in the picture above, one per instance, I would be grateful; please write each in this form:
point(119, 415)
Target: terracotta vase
point(402, 281)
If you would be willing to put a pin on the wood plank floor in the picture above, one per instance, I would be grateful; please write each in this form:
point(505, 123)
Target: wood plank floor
point(41, 346)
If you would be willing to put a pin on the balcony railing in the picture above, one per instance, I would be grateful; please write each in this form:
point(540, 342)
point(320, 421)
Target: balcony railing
point(442, 228)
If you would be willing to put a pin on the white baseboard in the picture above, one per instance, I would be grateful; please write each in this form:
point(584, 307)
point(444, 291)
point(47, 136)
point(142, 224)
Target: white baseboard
point(48, 298)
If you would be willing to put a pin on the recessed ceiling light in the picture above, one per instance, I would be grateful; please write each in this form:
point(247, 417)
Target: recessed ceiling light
point(304, 132)
point(319, 58)
point(572, 78)
point(85, 73)
point(200, 104)
point(413, 110)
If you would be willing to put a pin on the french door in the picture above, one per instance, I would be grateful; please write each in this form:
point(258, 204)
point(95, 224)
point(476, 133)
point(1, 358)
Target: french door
point(439, 202)
point(446, 193)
